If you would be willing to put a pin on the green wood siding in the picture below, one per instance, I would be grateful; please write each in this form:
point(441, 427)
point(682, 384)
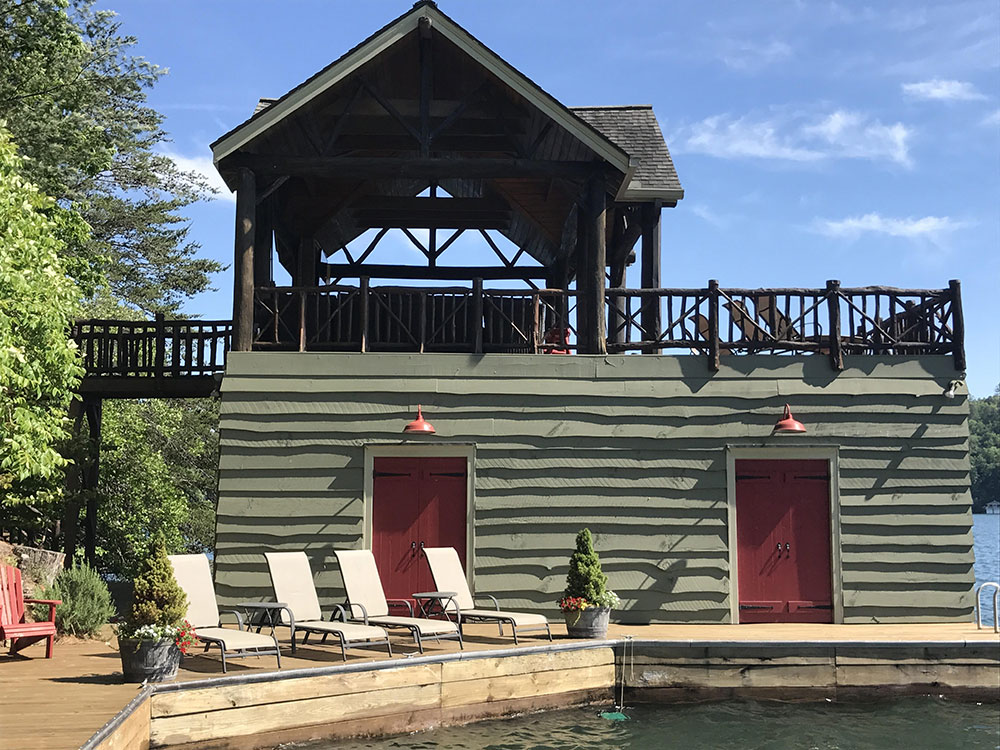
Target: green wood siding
point(633, 447)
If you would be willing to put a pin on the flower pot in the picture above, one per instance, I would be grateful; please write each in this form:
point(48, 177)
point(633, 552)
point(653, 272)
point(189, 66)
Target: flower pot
point(149, 661)
point(591, 622)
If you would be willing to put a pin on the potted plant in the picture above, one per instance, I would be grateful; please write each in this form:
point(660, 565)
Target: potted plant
point(155, 634)
point(587, 602)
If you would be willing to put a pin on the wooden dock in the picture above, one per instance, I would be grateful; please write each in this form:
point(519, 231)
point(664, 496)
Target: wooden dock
point(61, 702)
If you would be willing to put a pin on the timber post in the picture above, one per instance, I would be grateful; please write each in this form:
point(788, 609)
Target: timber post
point(160, 350)
point(595, 212)
point(243, 265)
point(476, 318)
point(833, 304)
point(713, 325)
point(363, 290)
point(91, 477)
point(650, 272)
point(957, 324)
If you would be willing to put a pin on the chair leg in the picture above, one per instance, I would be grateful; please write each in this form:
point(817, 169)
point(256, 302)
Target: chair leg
point(222, 650)
point(416, 637)
point(292, 627)
point(388, 645)
point(461, 644)
point(48, 646)
point(513, 629)
point(548, 630)
point(343, 646)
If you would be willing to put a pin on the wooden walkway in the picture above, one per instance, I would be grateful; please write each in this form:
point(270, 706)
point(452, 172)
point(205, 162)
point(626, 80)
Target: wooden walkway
point(61, 702)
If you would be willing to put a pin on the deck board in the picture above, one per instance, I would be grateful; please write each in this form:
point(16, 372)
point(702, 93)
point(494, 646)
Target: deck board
point(61, 702)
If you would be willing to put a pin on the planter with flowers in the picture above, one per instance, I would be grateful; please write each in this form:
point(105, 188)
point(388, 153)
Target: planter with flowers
point(587, 603)
point(155, 634)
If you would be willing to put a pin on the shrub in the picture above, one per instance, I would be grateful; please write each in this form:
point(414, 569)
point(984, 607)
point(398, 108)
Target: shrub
point(160, 604)
point(86, 602)
point(586, 584)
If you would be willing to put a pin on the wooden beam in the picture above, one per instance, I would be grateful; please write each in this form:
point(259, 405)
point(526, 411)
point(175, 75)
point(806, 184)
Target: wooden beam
point(650, 319)
point(94, 410)
point(591, 271)
point(262, 246)
point(305, 266)
point(243, 262)
point(958, 324)
point(457, 273)
point(426, 84)
point(359, 167)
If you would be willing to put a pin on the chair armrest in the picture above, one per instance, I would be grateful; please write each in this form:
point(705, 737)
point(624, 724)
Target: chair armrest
point(239, 616)
point(451, 600)
point(338, 610)
point(496, 604)
point(53, 603)
point(402, 601)
point(364, 611)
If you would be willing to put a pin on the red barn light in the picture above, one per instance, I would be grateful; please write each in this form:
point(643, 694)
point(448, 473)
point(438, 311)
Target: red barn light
point(419, 425)
point(788, 425)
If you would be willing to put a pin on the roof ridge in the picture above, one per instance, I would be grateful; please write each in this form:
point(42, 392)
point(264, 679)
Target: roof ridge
point(612, 106)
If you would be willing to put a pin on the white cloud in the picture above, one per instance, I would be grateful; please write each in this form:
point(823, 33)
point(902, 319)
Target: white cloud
point(839, 135)
point(854, 136)
point(203, 166)
point(992, 119)
point(751, 56)
point(706, 214)
point(932, 228)
point(943, 90)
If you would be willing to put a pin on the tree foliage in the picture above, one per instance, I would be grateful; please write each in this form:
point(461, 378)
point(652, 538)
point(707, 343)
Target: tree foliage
point(74, 98)
point(158, 468)
point(585, 579)
point(158, 601)
point(984, 449)
point(38, 364)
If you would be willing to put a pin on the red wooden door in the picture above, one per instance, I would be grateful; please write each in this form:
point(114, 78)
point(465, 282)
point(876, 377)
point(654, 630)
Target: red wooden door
point(416, 502)
point(783, 541)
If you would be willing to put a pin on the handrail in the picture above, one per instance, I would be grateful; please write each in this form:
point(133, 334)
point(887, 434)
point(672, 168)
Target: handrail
point(996, 600)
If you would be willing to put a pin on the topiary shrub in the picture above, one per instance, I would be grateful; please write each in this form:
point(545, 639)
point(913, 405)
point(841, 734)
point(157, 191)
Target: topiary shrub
point(586, 584)
point(159, 604)
point(86, 602)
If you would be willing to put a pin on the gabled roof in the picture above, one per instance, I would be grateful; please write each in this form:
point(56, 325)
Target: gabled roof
point(388, 36)
point(635, 130)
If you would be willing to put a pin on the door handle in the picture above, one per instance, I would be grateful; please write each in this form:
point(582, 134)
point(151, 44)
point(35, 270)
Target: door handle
point(779, 549)
point(413, 548)
point(421, 545)
point(788, 548)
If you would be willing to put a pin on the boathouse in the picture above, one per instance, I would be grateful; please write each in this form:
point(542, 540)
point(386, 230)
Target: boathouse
point(559, 395)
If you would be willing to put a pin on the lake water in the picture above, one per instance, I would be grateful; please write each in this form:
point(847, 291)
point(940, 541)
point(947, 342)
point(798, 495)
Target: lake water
point(986, 542)
point(903, 724)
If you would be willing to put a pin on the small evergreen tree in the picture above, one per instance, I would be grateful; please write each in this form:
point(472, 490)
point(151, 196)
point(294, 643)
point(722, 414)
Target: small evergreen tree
point(159, 601)
point(585, 579)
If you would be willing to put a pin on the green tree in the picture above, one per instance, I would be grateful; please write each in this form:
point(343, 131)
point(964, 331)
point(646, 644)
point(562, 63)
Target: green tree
point(158, 467)
point(74, 98)
point(984, 449)
point(38, 363)
point(158, 599)
point(585, 578)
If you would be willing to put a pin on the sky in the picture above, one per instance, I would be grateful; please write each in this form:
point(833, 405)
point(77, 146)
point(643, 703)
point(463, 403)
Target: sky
point(814, 140)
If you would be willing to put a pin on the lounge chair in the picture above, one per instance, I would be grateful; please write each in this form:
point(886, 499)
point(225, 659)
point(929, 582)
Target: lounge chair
point(292, 579)
point(448, 575)
point(366, 596)
point(195, 578)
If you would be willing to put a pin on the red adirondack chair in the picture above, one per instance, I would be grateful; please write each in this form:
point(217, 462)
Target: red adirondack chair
point(12, 625)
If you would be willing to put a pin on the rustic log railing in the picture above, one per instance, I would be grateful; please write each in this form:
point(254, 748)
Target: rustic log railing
point(153, 349)
point(832, 321)
point(713, 321)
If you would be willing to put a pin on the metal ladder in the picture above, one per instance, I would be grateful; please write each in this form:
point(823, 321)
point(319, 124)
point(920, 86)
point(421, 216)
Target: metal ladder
point(979, 610)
